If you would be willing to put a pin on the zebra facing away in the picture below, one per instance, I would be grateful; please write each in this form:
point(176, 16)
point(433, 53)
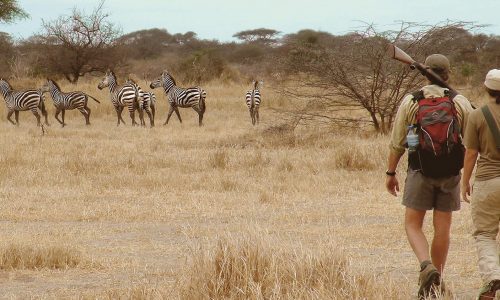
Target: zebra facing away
point(179, 97)
point(21, 101)
point(146, 101)
point(253, 102)
point(67, 101)
point(121, 96)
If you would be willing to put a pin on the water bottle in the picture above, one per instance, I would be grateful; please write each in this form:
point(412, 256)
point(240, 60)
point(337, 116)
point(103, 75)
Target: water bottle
point(412, 138)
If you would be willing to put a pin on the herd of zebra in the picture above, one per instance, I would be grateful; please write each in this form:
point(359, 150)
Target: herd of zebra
point(129, 95)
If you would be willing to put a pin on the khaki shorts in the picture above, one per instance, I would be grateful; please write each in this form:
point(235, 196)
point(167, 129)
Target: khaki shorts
point(424, 193)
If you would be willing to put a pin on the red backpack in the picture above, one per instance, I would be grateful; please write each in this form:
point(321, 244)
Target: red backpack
point(440, 151)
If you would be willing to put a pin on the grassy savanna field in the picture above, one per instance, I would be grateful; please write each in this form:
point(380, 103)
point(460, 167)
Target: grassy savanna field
point(227, 210)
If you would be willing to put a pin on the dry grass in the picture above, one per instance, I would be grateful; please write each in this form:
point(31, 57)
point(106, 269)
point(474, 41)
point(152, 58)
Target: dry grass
point(138, 201)
point(249, 268)
point(18, 257)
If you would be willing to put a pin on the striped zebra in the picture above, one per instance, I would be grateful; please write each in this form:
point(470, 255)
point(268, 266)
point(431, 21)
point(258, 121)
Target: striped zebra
point(121, 96)
point(179, 97)
point(21, 101)
point(68, 101)
point(253, 102)
point(147, 102)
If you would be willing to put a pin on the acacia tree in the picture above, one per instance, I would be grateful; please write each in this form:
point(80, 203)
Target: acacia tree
point(80, 44)
point(260, 35)
point(10, 11)
point(354, 77)
point(148, 43)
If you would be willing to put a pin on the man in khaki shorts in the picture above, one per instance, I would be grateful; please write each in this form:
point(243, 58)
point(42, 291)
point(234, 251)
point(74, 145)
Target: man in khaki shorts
point(480, 139)
point(424, 192)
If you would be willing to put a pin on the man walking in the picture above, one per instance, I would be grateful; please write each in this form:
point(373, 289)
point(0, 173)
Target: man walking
point(482, 137)
point(433, 175)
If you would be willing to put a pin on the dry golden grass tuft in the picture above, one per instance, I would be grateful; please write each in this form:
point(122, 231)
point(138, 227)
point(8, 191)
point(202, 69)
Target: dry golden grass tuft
point(279, 135)
point(250, 268)
point(18, 257)
point(219, 159)
point(136, 292)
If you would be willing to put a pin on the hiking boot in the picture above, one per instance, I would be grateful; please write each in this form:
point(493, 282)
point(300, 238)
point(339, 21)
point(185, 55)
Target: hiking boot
point(488, 291)
point(428, 280)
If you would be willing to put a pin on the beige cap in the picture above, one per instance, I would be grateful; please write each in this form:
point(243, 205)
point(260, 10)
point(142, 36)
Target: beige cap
point(438, 62)
point(492, 80)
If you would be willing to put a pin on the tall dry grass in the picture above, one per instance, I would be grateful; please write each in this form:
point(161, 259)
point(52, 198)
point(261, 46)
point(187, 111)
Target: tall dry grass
point(251, 268)
point(18, 257)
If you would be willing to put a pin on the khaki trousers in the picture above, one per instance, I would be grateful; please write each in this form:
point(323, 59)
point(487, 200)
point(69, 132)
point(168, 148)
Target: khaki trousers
point(485, 210)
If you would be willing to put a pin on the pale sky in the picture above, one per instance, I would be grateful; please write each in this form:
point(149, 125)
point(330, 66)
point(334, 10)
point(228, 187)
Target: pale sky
point(220, 19)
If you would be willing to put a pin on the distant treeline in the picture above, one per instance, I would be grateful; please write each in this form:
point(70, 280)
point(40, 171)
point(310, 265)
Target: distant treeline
point(70, 49)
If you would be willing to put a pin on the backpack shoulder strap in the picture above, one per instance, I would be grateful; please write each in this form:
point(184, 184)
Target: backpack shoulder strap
point(418, 95)
point(491, 124)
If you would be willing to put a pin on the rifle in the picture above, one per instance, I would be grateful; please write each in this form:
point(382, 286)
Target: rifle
point(403, 57)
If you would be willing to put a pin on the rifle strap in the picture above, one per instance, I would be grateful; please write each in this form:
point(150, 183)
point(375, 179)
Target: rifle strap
point(491, 124)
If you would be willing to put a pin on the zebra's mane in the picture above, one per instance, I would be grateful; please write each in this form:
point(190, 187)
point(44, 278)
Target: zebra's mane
point(6, 82)
point(171, 78)
point(114, 76)
point(54, 83)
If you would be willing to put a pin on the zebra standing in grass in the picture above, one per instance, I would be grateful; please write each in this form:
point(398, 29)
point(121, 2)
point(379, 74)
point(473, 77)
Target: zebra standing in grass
point(21, 101)
point(178, 97)
point(121, 96)
point(147, 102)
point(253, 102)
point(67, 101)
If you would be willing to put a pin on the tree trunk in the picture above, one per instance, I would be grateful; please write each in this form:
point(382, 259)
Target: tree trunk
point(383, 125)
point(375, 121)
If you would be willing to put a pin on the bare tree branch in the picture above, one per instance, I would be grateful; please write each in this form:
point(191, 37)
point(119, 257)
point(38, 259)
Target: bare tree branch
point(353, 71)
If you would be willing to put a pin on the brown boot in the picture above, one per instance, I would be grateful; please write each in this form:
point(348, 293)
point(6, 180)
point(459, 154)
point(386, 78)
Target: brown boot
point(429, 278)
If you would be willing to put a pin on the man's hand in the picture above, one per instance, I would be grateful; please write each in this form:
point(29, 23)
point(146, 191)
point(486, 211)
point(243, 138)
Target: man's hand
point(391, 182)
point(466, 190)
point(469, 162)
point(392, 185)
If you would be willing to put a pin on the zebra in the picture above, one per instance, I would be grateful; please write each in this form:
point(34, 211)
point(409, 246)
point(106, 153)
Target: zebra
point(67, 101)
point(179, 97)
point(23, 100)
point(147, 102)
point(121, 96)
point(150, 100)
point(253, 102)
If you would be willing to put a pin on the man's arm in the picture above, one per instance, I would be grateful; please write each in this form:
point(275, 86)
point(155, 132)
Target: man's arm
point(469, 163)
point(398, 139)
point(391, 182)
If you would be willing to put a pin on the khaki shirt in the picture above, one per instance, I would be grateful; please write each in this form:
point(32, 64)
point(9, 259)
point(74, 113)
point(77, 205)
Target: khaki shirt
point(478, 136)
point(407, 112)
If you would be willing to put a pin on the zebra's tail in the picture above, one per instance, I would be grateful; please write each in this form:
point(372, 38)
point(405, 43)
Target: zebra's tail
point(252, 100)
point(94, 99)
point(201, 103)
